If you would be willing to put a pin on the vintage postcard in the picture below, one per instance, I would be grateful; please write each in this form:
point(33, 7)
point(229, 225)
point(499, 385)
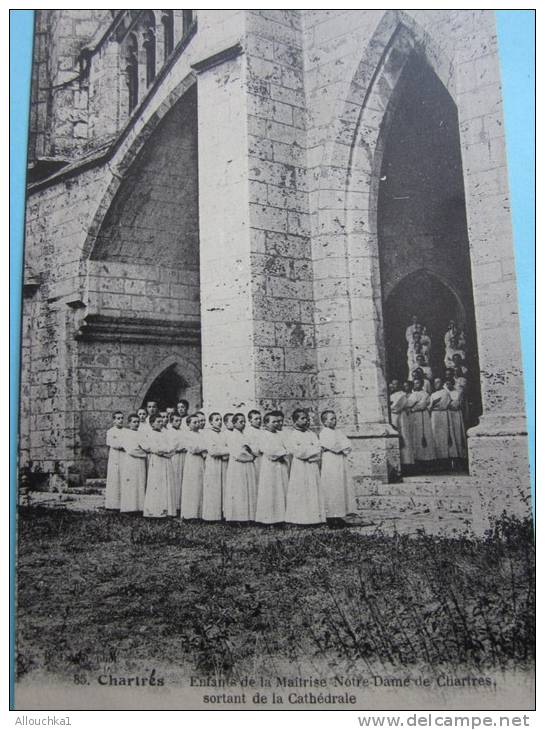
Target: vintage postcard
point(273, 450)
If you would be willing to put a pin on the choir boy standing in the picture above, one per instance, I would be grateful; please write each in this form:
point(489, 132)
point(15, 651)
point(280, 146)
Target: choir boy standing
point(273, 475)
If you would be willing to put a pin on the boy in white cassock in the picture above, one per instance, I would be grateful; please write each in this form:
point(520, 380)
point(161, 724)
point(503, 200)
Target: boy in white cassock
point(182, 409)
point(177, 445)
point(412, 328)
point(142, 415)
point(192, 484)
point(215, 469)
point(133, 467)
point(419, 421)
point(114, 441)
point(253, 433)
point(240, 485)
point(280, 430)
point(152, 409)
point(458, 448)
point(439, 403)
point(400, 421)
point(335, 478)
point(201, 419)
point(228, 421)
point(160, 490)
point(273, 476)
point(305, 501)
point(170, 412)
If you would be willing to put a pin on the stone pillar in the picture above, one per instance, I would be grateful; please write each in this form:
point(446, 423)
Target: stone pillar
point(498, 446)
point(347, 285)
point(227, 323)
point(258, 342)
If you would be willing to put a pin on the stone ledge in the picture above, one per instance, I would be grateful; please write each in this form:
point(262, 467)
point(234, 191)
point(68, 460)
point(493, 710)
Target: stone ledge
point(102, 328)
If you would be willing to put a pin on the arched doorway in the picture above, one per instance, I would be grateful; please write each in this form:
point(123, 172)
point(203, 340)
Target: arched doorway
point(167, 389)
point(434, 303)
point(172, 380)
point(425, 267)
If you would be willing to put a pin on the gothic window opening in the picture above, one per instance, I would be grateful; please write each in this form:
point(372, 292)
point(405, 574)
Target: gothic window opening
point(425, 267)
point(132, 71)
point(167, 20)
point(149, 47)
point(187, 18)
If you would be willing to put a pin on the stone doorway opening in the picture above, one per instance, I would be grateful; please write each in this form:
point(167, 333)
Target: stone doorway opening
point(425, 266)
point(167, 389)
point(170, 386)
point(424, 295)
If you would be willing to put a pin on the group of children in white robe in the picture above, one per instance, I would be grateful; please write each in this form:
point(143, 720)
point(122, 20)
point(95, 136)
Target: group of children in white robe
point(168, 463)
point(419, 346)
point(432, 414)
point(430, 422)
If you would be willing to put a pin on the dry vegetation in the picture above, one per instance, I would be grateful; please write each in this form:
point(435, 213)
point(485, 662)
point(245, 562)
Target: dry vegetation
point(222, 600)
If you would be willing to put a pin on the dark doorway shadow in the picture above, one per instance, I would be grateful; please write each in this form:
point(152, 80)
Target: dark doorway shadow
point(434, 303)
point(167, 389)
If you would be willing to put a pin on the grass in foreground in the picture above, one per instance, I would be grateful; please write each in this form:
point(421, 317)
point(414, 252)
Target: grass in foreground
point(225, 600)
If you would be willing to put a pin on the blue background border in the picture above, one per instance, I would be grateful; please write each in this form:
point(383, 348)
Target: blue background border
point(21, 26)
point(516, 41)
point(516, 37)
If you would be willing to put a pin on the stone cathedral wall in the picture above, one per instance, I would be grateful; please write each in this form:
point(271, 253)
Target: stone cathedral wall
point(293, 109)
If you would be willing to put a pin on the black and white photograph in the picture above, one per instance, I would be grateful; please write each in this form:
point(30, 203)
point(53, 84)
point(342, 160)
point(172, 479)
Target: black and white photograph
point(273, 449)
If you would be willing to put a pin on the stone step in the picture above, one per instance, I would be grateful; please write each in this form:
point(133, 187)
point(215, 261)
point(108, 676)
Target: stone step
point(404, 504)
point(91, 486)
point(441, 505)
point(417, 487)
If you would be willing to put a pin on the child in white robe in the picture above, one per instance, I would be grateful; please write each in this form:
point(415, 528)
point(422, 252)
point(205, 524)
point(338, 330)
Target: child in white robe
point(152, 409)
point(192, 484)
point(400, 421)
point(182, 409)
point(133, 467)
point(425, 340)
point(114, 441)
point(305, 501)
point(142, 423)
point(419, 422)
point(160, 490)
point(201, 418)
point(439, 403)
point(240, 486)
point(273, 476)
point(335, 478)
point(412, 328)
point(177, 444)
point(458, 449)
point(253, 434)
point(215, 469)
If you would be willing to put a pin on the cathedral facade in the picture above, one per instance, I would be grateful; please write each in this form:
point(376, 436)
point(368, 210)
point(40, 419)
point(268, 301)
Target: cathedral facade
point(244, 209)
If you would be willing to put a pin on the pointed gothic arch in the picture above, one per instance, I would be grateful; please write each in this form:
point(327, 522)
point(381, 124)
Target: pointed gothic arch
point(123, 159)
point(174, 377)
point(354, 159)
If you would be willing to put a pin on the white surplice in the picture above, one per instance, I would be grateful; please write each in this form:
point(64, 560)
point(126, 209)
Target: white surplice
point(254, 436)
point(112, 493)
point(335, 478)
point(133, 471)
point(273, 480)
point(240, 485)
point(439, 403)
point(400, 421)
point(192, 484)
point(215, 472)
point(177, 439)
point(419, 421)
point(305, 501)
point(160, 489)
point(458, 449)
